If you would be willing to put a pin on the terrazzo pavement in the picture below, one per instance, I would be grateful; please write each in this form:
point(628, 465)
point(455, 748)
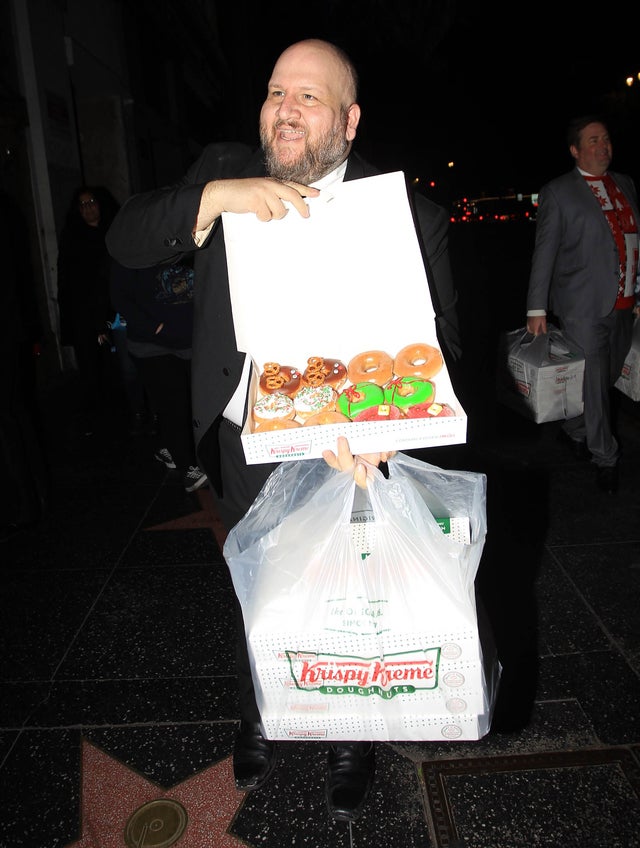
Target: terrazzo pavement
point(117, 685)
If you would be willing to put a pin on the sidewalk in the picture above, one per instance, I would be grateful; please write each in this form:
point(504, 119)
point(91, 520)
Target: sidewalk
point(118, 688)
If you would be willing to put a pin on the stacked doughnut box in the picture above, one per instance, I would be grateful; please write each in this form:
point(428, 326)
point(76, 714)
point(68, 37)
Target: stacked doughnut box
point(402, 670)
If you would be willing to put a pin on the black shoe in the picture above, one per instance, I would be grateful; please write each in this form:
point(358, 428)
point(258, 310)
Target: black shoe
point(349, 777)
point(577, 446)
point(254, 757)
point(607, 478)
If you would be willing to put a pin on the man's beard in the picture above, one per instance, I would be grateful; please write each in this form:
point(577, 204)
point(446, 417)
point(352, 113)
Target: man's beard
point(318, 159)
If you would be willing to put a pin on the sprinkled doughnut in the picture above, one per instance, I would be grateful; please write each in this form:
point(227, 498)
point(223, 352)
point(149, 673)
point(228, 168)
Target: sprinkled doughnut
point(355, 399)
point(321, 371)
point(382, 412)
point(430, 410)
point(313, 399)
point(329, 416)
point(279, 378)
point(273, 406)
point(406, 392)
point(372, 366)
point(418, 360)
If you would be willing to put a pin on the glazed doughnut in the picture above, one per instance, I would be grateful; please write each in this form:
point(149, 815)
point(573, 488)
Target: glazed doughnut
point(382, 412)
point(430, 410)
point(418, 360)
point(372, 366)
point(406, 392)
point(331, 416)
point(356, 398)
point(279, 378)
point(273, 406)
point(313, 399)
point(276, 424)
point(321, 371)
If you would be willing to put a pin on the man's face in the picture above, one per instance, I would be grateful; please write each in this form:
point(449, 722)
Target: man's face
point(89, 208)
point(594, 152)
point(308, 121)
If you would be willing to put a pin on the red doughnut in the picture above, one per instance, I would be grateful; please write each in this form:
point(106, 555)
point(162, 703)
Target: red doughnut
point(430, 410)
point(279, 378)
point(418, 360)
point(382, 412)
point(321, 371)
point(372, 366)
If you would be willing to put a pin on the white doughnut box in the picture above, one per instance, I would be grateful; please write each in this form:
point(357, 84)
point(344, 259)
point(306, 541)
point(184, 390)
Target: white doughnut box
point(411, 666)
point(329, 286)
point(334, 696)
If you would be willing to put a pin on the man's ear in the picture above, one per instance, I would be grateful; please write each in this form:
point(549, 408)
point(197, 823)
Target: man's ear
point(353, 119)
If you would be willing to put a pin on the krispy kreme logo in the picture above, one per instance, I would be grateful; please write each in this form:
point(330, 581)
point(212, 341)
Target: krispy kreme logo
point(565, 378)
point(289, 450)
point(395, 674)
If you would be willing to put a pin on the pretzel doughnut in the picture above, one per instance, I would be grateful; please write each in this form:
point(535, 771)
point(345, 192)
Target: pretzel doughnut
point(372, 366)
point(279, 378)
point(354, 399)
point(324, 372)
point(329, 416)
point(406, 392)
point(418, 360)
point(271, 407)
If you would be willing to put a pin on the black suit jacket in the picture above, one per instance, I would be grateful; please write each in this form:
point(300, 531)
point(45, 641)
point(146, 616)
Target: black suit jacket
point(157, 227)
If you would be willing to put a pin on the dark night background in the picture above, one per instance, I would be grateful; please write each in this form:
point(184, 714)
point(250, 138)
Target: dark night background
point(487, 85)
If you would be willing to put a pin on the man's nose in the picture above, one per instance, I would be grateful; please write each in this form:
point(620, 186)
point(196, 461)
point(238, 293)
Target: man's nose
point(288, 107)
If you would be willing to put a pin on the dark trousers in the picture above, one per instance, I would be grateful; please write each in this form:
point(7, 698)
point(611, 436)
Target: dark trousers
point(605, 343)
point(241, 484)
point(131, 381)
point(167, 381)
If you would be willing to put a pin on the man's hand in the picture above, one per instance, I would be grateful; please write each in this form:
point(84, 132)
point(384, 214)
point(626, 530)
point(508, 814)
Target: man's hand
point(344, 460)
point(261, 195)
point(537, 324)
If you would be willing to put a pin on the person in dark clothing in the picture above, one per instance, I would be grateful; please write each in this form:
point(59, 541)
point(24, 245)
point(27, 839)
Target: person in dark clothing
point(83, 294)
point(307, 126)
point(157, 305)
point(584, 269)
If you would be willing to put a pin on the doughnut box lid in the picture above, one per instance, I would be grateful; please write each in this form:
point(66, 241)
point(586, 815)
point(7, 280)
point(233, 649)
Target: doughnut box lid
point(348, 279)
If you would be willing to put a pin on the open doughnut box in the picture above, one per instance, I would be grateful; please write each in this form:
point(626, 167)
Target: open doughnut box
point(293, 299)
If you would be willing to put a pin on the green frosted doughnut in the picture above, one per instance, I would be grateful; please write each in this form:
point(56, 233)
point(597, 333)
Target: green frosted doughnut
point(361, 396)
point(405, 392)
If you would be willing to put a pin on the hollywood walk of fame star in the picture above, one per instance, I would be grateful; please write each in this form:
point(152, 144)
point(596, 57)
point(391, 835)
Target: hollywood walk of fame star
point(112, 793)
point(206, 518)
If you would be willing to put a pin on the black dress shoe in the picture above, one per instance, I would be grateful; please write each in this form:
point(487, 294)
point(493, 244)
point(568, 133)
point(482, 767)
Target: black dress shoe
point(254, 757)
point(577, 446)
point(607, 478)
point(349, 777)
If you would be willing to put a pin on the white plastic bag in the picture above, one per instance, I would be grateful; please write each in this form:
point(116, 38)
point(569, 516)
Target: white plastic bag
point(360, 609)
point(629, 380)
point(541, 376)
